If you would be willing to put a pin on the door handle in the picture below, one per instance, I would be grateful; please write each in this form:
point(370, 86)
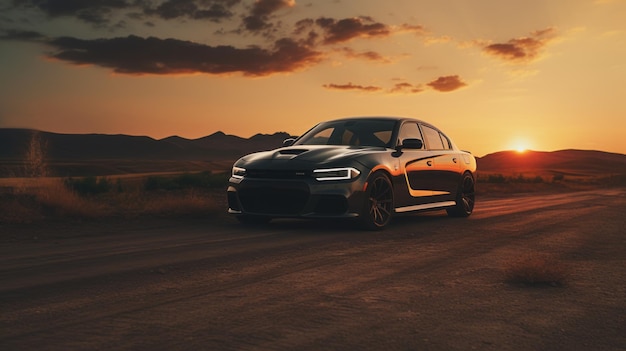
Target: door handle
point(429, 163)
point(454, 159)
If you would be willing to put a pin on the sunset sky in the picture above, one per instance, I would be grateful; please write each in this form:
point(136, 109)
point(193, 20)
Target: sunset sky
point(492, 74)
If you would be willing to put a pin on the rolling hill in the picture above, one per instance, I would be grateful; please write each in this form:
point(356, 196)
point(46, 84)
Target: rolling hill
point(102, 154)
point(582, 163)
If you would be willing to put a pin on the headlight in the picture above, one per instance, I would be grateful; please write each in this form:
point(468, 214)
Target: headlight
point(238, 172)
point(336, 173)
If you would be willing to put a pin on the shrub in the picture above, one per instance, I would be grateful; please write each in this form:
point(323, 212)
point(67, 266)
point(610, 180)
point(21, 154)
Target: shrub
point(535, 269)
point(496, 178)
point(203, 180)
point(89, 185)
point(558, 177)
point(35, 165)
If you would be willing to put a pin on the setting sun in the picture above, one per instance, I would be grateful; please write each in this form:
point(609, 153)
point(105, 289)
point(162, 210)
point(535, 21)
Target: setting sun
point(520, 145)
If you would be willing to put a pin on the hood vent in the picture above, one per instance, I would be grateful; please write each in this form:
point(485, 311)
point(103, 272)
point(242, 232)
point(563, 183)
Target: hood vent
point(292, 151)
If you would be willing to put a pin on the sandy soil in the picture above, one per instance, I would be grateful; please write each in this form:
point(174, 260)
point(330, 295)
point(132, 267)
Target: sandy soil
point(429, 282)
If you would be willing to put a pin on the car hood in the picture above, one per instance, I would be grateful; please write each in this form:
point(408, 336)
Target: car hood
point(305, 156)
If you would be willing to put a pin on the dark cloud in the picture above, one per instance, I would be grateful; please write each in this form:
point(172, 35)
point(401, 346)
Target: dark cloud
point(337, 31)
point(447, 83)
point(99, 12)
point(214, 10)
point(523, 49)
point(136, 55)
point(22, 35)
point(93, 11)
point(259, 18)
point(350, 86)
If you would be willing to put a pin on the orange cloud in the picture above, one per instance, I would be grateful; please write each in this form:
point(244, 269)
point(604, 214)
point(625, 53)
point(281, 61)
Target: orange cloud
point(522, 50)
point(447, 83)
point(367, 55)
point(406, 88)
point(350, 86)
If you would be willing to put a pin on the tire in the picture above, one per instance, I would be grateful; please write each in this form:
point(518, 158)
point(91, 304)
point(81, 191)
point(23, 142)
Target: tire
point(378, 205)
point(253, 220)
point(465, 198)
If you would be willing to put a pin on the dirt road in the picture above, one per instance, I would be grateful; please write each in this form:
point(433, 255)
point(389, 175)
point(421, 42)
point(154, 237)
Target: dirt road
point(429, 282)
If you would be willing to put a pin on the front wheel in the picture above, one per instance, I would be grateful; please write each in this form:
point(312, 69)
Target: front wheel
point(465, 198)
point(378, 207)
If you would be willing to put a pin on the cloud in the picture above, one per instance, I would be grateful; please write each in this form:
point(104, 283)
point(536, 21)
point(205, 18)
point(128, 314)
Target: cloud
point(330, 31)
point(441, 84)
point(522, 50)
point(22, 35)
point(214, 10)
point(406, 88)
point(93, 11)
point(447, 83)
point(338, 31)
point(137, 55)
point(367, 55)
point(259, 18)
point(350, 86)
point(100, 12)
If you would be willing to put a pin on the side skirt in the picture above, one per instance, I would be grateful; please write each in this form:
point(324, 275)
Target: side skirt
point(426, 206)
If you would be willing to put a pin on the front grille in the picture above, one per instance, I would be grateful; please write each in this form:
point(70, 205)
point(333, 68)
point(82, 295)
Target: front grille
point(277, 174)
point(268, 200)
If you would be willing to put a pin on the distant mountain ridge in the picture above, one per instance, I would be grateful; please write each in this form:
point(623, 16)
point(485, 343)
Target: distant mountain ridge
point(217, 146)
point(571, 161)
point(101, 154)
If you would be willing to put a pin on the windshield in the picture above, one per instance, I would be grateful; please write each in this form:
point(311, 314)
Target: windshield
point(355, 132)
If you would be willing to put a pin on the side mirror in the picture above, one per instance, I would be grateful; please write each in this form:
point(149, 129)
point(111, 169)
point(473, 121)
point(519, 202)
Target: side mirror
point(411, 144)
point(289, 141)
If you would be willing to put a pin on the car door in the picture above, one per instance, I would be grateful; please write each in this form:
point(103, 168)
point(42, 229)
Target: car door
point(444, 172)
point(415, 181)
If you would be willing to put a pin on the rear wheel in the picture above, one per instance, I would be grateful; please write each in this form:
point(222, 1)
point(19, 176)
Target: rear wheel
point(378, 207)
point(465, 198)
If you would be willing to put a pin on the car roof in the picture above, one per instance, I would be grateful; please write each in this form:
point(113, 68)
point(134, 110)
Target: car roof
point(390, 118)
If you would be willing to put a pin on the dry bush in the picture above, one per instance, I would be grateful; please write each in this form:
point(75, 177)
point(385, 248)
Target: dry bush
point(535, 269)
point(35, 158)
point(57, 200)
point(32, 199)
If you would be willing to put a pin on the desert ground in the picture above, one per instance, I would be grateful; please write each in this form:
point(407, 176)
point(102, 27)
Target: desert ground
point(428, 282)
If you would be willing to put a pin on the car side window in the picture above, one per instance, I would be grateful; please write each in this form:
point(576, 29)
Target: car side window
point(409, 131)
point(445, 141)
point(433, 140)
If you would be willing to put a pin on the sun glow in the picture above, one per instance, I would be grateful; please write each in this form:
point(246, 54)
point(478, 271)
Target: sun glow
point(519, 145)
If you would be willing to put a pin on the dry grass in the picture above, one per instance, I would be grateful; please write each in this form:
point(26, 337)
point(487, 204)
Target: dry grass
point(29, 201)
point(33, 199)
point(536, 270)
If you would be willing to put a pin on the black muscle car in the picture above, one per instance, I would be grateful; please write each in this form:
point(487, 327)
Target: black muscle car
point(367, 168)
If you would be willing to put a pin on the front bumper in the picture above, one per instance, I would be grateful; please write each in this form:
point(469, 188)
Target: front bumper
point(306, 198)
